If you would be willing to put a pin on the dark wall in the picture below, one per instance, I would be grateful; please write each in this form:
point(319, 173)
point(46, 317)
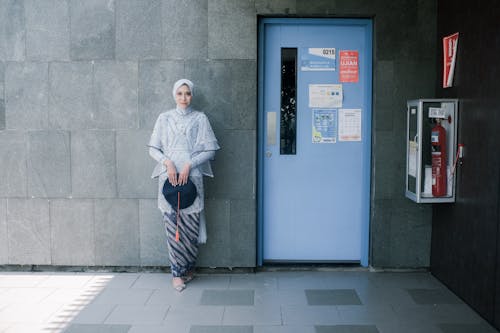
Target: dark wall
point(465, 252)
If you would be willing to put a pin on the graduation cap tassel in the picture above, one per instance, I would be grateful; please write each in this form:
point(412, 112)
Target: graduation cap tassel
point(178, 218)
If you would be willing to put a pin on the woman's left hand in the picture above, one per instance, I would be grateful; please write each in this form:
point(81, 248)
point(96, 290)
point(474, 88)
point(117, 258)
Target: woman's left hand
point(184, 174)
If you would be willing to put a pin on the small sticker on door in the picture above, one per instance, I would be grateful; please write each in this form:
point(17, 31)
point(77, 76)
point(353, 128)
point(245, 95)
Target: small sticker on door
point(317, 59)
point(324, 129)
point(325, 96)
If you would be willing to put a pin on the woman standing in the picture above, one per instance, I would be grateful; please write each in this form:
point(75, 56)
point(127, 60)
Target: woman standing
point(182, 143)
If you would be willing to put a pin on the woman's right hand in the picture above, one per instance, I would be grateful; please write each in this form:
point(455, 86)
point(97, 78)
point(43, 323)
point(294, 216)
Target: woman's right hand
point(171, 172)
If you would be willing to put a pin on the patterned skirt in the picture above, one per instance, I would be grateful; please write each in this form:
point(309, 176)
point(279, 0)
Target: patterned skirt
point(183, 251)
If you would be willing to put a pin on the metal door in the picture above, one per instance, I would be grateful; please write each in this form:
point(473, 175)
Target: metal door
point(314, 139)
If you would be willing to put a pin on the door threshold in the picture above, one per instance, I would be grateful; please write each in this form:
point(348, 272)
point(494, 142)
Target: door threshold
point(271, 266)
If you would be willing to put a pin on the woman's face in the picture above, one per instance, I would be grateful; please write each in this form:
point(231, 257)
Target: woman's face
point(183, 96)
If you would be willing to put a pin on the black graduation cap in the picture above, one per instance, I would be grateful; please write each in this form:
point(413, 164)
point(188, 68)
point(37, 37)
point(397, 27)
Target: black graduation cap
point(181, 196)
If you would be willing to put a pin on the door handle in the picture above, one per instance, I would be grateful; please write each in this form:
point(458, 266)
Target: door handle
point(271, 129)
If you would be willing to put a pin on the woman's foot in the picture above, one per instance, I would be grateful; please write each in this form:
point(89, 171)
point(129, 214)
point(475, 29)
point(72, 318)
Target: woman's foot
point(178, 284)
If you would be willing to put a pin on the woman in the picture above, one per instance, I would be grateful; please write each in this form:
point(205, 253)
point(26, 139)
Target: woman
point(182, 143)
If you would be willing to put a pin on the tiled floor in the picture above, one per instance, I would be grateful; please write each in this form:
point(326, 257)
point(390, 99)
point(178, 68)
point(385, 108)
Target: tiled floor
point(327, 301)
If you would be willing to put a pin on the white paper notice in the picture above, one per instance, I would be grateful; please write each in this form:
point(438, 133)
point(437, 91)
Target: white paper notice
point(324, 125)
point(349, 125)
point(317, 59)
point(325, 96)
point(412, 158)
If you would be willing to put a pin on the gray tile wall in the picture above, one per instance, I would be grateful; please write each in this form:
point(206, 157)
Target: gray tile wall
point(185, 29)
point(49, 177)
point(72, 232)
point(28, 232)
point(2, 96)
point(153, 248)
point(82, 83)
point(96, 40)
point(13, 173)
point(12, 30)
point(4, 248)
point(47, 30)
point(138, 30)
point(116, 232)
point(26, 95)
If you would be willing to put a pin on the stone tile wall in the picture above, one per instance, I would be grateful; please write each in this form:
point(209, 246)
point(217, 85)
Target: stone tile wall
point(82, 83)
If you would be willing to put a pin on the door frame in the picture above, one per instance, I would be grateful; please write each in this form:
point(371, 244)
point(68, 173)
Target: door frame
point(263, 21)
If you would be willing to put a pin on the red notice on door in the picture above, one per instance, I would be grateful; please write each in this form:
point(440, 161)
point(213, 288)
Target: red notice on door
point(348, 69)
point(449, 58)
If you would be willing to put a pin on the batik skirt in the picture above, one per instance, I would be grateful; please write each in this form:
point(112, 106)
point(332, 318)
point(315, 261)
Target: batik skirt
point(182, 250)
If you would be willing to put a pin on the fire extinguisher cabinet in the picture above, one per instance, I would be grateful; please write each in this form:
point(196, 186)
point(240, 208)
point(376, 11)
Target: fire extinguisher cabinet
point(431, 151)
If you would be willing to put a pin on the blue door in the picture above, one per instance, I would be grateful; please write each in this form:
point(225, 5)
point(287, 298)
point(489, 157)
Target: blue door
point(314, 140)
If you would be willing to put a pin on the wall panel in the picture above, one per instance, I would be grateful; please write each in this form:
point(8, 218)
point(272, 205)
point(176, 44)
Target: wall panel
point(465, 235)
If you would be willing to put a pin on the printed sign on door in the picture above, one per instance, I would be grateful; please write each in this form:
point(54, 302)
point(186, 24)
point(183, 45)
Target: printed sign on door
point(348, 69)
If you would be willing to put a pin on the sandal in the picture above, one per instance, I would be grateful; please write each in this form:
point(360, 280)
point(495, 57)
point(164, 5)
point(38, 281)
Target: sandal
point(178, 284)
point(188, 278)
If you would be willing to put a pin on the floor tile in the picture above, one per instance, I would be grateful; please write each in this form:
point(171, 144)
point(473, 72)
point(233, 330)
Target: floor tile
point(347, 329)
point(114, 281)
point(189, 296)
point(280, 297)
point(413, 315)
point(35, 328)
point(400, 327)
point(164, 328)
point(433, 296)
point(153, 281)
point(211, 281)
point(405, 280)
point(137, 314)
point(252, 315)
point(204, 315)
point(26, 295)
point(332, 297)
point(28, 313)
point(67, 314)
point(366, 314)
point(21, 279)
point(284, 329)
point(76, 296)
point(298, 280)
point(346, 280)
point(221, 329)
point(454, 313)
point(102, 328)
point(253, 281)
point(437, 313)
point(123, 296)
point(466, 328)
point(66, 280)
point(310, 315)
point(227, 297)
point(385, 296)
point(93, 314)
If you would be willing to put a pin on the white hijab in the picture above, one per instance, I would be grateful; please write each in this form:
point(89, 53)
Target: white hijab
point(182, 82)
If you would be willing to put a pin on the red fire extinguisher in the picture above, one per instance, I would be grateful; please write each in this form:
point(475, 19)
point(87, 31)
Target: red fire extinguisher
point(439, 174)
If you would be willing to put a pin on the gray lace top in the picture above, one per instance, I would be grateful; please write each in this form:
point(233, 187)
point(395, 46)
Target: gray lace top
point(183, 136)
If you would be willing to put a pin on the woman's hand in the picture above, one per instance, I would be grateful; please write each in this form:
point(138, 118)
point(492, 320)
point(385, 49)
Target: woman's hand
point(171, 172)
point(184, 175)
